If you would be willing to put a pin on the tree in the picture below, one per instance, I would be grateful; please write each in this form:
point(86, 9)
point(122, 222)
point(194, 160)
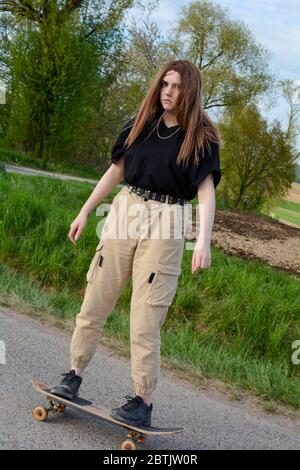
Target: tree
point(235, 68)
point(7, 29)
point(62, 60)
point(257, 160)
point(291, 92)
point(144, 52)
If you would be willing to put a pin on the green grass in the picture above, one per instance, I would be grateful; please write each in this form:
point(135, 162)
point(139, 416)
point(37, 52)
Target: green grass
point(235, 322)
point(290, 205)
point(287, 210)
point(287, 214)
point(36, 214)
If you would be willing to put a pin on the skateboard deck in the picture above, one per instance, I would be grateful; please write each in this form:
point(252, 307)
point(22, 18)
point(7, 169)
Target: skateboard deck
point(58, 404)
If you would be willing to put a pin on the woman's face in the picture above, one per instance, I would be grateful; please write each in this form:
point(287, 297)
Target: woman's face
point(170, 90)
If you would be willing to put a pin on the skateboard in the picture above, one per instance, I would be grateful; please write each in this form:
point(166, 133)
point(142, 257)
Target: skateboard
point(58, 404)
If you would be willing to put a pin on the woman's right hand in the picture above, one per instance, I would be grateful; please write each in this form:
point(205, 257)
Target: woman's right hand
point(77, 227)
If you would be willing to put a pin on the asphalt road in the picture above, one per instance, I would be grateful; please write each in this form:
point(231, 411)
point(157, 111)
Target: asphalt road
point(33, 172)
point(211, 420)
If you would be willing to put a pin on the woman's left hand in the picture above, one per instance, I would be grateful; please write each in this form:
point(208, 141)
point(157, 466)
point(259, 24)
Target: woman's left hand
point(201, 257)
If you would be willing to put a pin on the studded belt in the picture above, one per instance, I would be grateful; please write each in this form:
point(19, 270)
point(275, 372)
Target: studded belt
point(147, 194)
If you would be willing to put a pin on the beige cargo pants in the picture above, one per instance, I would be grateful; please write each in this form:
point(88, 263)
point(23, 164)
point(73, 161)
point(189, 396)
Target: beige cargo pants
point(142, 240)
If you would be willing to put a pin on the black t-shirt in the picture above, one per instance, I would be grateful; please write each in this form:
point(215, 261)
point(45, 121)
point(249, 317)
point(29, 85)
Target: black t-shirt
point(151, 164)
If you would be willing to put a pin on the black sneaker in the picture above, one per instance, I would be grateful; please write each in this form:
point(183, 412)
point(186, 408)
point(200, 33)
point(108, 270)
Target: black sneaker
point(69, 386)
point(134, 412)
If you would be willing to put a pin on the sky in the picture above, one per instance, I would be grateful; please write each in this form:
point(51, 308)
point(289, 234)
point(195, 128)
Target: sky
point(275, 25)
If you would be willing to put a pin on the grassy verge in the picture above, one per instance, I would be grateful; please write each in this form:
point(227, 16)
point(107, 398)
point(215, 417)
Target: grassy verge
point(289, 216)
point(234, 322)
point(18, 158)
point(290, 205)
point(287, 210)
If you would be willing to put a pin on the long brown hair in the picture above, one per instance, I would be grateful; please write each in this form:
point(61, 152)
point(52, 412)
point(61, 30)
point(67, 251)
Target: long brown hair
point(192, 118)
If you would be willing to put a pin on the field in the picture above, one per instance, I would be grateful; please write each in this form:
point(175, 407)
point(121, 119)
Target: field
point(288, 210)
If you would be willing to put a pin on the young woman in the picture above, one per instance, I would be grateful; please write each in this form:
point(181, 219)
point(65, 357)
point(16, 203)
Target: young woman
point(167, 154)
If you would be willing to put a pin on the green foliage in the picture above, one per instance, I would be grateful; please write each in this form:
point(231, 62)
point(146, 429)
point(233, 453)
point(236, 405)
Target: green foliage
point(226, 52)
point(61, 64)
point(257, 162)
point(53, 90)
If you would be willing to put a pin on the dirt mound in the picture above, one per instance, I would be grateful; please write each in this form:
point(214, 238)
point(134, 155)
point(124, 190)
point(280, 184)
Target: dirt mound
point(255, 237)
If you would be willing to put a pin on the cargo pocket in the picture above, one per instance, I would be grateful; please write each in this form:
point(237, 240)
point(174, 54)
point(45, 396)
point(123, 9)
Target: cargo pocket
point(163, 285)
point(95, 263)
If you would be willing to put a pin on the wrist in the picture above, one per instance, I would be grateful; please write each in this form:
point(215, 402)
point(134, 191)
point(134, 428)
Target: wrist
point(84, 212)
point(202, 243)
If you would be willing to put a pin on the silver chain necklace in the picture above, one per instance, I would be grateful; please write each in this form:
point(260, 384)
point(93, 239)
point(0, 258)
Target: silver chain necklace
point(166, 126)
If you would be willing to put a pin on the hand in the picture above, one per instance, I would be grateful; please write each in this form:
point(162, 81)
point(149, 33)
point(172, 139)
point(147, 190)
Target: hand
point(201, 257)
point(77, 227)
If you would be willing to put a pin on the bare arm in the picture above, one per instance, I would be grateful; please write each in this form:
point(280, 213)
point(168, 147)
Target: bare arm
point(207, 206)
point(106, 184)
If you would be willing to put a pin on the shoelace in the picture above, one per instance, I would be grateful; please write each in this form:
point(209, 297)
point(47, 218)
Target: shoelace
point(131, 403)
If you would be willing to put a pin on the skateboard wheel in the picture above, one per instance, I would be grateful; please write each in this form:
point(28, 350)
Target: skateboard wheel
point(128, 445)
point(40, 413)
point(141, 439)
